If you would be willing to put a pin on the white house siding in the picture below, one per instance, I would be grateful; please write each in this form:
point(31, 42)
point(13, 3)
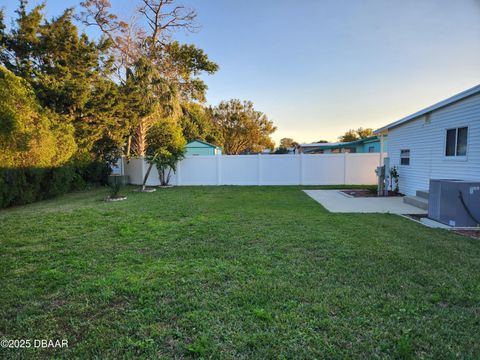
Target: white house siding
point(426, 142)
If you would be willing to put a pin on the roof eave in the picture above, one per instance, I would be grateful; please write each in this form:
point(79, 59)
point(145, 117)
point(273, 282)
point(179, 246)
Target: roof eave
point(439, 105)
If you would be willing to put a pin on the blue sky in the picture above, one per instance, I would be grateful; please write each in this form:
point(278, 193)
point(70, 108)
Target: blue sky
point(319, 67)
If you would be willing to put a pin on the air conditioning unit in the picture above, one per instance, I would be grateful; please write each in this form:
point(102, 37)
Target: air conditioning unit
point(454, 202)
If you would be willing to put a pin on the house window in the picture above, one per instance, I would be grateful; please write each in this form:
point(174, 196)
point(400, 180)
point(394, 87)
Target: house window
point(371, 149)
point(456, 142)
point(405, 157)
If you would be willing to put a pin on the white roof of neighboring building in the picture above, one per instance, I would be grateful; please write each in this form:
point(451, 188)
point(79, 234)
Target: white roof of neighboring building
point(464, 94)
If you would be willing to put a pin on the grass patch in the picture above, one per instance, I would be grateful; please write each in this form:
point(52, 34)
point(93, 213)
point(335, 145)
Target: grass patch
point(233, 272)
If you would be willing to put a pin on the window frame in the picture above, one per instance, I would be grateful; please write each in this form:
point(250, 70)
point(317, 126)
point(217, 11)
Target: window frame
point(405, 157)
point(456, 157)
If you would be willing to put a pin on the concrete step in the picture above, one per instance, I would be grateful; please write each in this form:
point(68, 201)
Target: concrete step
point(416, 201)
point(422, 194)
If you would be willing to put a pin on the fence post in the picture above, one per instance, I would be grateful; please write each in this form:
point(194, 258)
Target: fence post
point(179, 166)
point(259, 165)
point(143, 162)
point(219, 169)
point(301, 167)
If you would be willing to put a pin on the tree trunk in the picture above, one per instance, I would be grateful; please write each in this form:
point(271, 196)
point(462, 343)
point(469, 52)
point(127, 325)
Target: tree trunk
point(164, 176)
point(161, 176)
point(129, 146)
point(146, 176)
point(168, 175)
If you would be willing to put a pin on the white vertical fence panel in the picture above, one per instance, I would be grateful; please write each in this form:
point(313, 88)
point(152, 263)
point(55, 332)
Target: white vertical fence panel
point(280, 170)
point(304, 169)
point(323, 169)
point(133, 168)
point(360, 169)
point(239, 170)
point(153, 178)
point(198, 170)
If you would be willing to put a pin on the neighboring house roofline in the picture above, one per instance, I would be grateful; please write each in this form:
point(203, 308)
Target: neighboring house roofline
point(341, 144)
point(460, 96)
point(317, 144)
point(205, 143)
point(371, 139)
point(359, 141)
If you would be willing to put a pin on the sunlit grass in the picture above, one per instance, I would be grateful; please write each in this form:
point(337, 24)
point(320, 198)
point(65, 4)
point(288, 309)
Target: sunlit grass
point(233, 272)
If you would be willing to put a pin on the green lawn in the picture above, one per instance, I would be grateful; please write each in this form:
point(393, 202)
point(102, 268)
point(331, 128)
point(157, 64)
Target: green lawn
point(233, 272)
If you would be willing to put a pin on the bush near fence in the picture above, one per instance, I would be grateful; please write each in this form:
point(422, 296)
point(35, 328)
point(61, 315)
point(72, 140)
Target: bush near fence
point(19, 186)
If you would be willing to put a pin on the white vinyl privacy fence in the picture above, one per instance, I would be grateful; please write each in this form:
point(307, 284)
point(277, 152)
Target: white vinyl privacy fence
point(303, 169)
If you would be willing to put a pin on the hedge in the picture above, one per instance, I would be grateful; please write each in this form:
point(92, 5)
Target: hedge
point(19, 186)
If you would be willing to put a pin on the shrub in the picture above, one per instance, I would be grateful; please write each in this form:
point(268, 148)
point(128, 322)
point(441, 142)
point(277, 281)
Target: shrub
point(115, 185)
point(19, 186)
point(166, 147)
point(95, 172)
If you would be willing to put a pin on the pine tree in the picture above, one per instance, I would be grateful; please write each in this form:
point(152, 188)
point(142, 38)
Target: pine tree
point(70, 76)
point(29, 135)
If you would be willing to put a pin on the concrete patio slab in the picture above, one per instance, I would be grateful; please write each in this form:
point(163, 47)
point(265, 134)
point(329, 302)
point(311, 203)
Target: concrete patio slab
point(434, 224)
point(335, 201)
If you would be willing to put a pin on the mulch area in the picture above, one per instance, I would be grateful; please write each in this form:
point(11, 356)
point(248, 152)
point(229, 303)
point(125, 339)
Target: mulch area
point(367, 193)
point(475, 234)
point(417, 217)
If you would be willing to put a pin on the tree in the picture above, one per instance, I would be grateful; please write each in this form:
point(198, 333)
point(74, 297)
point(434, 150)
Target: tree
point(287, 143)
point(147, 97)
point(28, 135)
point(148, 33)
point(242, 128)
point(364, 133)
point(197, 124)
point(281, 151)
point(352, 135)
point(166, 147)
point(146, 52)
point(69, 74)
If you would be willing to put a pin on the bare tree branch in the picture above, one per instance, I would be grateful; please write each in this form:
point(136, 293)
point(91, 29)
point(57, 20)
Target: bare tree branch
point(130, 39)
point(163, 20)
